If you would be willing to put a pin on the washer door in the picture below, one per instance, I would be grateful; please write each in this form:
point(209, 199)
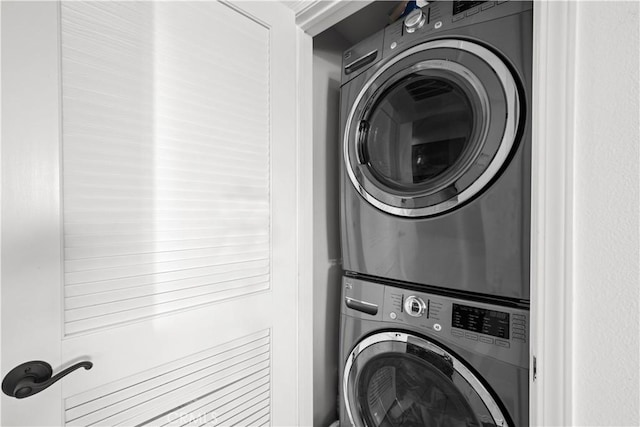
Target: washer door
point(431, 128)
point(397, 379)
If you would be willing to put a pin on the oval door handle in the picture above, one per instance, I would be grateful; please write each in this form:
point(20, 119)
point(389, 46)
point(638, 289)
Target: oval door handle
point(32, 377)
point(361, 139)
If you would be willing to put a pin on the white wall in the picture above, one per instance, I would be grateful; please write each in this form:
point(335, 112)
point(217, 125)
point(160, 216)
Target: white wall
point(327, 271)
point(606, 254)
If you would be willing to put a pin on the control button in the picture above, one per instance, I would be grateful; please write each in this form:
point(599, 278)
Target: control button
point(518, 322)
point(473, 11)
point(414, 20)
point(518, 316)
point(503, 343)
point(519, 336)
point(471, 336)
point(457, 333)
point(437, 327)
point(393, 45)
point(487, 340)
point(519, 339)
point(414, 306)
point(393, 316)
point(487, 5)
point(458, 17)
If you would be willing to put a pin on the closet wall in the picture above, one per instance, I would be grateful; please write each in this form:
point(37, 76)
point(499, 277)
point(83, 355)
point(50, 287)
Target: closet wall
point(327, 269)
point(328, 48)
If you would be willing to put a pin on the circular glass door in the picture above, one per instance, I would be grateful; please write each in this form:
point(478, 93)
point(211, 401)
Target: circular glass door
point(395, 379)
point(431, 128)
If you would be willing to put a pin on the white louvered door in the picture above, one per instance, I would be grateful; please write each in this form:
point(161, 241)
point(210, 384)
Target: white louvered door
point(149, 211)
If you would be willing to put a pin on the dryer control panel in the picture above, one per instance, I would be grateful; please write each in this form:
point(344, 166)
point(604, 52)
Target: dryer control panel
point(431, 22)
point(440, 16)
point(498, 331)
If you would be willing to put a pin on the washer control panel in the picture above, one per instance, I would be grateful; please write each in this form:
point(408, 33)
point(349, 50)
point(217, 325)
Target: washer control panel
point(496, 330)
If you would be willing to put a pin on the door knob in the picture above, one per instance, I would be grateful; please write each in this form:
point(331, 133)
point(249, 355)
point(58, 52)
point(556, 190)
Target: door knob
point(32, 377)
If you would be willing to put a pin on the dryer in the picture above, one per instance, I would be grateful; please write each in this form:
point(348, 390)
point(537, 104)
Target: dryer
point(436, 134)
point(412, 358)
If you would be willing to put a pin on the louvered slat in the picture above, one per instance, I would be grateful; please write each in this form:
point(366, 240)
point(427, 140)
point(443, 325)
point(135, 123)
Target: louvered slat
point(130, 315)
point(140, 259)
point(166, 141)
point(128, 287)
point(205, 408)
point(226, 381)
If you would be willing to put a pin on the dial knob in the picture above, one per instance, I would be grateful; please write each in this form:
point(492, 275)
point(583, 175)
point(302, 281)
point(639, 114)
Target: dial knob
point(414, 20)
point(414, 306)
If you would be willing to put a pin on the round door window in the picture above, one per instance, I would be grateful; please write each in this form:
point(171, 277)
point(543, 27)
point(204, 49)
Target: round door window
point(424, 130)
point(396, 379)
point(431, 128)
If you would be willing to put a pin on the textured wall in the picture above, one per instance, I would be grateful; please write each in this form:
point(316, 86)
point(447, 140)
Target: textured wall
point(606, 209)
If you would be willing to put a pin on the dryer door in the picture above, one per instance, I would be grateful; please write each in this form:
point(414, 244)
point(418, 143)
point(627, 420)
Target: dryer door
point(398, 379)
point(431, 128)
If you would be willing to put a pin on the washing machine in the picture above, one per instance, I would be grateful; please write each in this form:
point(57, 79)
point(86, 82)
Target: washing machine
point(411, 358)
point(436, 134)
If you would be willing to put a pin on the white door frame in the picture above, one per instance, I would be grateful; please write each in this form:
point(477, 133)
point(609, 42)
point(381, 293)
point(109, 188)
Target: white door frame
point(554, 72)
point(552, 202)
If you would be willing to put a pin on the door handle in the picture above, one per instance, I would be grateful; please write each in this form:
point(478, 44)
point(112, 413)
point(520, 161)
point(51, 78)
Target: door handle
point(32, 377)
point(361, 150)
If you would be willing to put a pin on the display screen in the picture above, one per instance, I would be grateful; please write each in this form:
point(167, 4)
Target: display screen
point(461, 6)
point(480, 320)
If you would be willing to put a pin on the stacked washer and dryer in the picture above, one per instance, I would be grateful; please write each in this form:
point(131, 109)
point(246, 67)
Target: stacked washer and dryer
point(436, 125)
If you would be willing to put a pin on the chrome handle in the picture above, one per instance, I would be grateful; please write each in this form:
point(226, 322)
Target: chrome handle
point(32, 377)
point(361, 139)
point(363, 306)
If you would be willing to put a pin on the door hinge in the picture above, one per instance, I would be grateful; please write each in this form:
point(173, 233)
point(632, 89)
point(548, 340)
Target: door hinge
point(535, 368)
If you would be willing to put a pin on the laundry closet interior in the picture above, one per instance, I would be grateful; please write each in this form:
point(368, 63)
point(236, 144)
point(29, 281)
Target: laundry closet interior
point(328, 48)
point(422, 173)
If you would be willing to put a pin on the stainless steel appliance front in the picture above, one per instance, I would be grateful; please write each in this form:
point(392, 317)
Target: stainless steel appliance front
point(458, 362)
point(436, 134)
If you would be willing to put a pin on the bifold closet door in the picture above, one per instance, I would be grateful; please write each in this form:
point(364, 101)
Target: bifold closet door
point(149, 211)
